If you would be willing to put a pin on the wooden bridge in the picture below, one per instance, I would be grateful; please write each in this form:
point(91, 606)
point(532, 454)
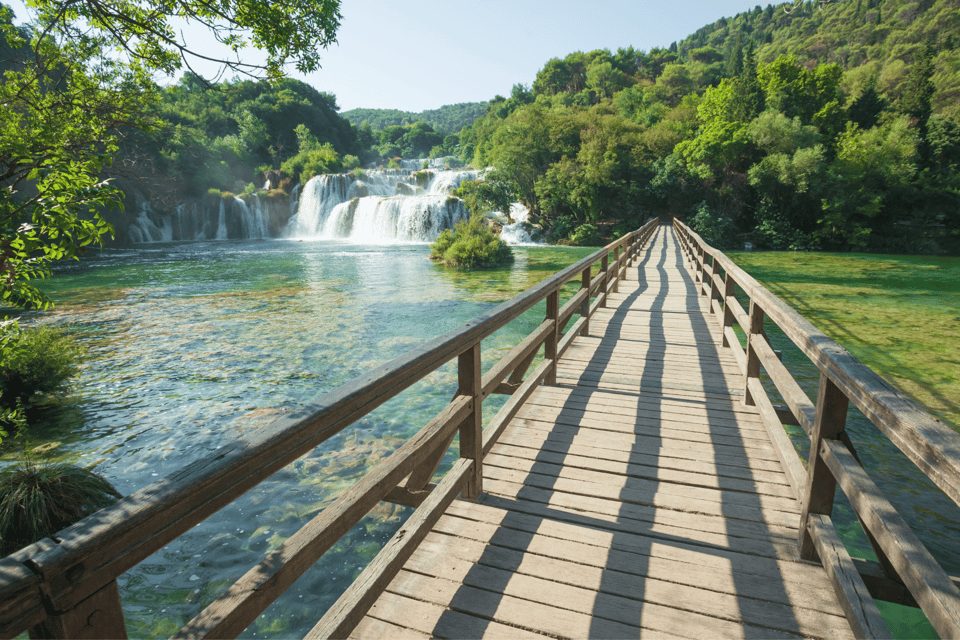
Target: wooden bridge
point(637, 482)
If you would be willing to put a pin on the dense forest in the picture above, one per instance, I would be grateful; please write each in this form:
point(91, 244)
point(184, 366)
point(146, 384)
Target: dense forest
point(784, 150)
point(811, 125)
point(450, 118)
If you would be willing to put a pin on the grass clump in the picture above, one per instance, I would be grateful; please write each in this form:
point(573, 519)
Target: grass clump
point(472, 244)
point(37, 500)
point(33, 362)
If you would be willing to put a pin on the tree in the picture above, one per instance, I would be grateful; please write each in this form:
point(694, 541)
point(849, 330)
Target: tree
point(143, 32)
point(748, 99)
point(918, 98)
point(81, 79)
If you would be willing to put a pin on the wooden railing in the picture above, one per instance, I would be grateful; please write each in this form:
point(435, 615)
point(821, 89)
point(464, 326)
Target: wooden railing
point(907, 573)
point(66, 587)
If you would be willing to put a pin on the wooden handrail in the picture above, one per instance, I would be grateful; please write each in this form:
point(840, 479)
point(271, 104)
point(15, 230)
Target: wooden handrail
point(932, 446)
point(53, 584)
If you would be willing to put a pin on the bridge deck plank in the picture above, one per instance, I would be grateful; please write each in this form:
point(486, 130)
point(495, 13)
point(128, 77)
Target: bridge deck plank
point(639, 497)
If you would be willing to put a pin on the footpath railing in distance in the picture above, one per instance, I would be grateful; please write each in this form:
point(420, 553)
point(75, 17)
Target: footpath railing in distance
point(66, 587)
point(906, 573)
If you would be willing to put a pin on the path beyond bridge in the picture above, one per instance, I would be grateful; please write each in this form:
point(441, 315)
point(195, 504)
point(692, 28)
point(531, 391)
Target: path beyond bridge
point(638, 481)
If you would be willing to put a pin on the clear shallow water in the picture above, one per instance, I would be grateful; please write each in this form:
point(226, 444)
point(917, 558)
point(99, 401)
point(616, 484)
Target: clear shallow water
point(192, 344)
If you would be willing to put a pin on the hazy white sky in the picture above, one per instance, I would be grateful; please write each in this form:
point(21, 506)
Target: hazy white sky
point(424, 54)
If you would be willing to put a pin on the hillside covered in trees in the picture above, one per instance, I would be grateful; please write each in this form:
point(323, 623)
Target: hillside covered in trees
point(759, 128)
point(450, 118)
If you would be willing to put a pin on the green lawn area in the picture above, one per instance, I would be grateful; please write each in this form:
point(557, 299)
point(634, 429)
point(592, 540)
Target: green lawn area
point(900, 315)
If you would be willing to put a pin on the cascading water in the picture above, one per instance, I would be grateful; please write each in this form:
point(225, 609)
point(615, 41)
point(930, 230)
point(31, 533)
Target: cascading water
point(380, 206)
point(517, 232)
point(372, 206)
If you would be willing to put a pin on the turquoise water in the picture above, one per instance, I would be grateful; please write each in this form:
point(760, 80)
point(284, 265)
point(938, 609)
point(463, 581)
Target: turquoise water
point(192, 344)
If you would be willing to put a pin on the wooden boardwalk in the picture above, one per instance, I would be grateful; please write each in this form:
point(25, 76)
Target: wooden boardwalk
point(638, 497)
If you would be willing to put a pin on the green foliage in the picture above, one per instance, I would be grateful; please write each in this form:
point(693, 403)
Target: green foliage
point(146, 36)
point(58, 133)
point(35, 361)
point(453, 117)
point(716, 229)
point(586, 235)
point(472, 244)
point(491, 193)
point(315, 159)
point(37, 500)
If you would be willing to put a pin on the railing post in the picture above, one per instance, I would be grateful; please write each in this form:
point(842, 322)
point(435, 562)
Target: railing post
point(728, 319)
point(585, 305)
point(471, 437)
point(753, 360)
point(616, 268)
point(604, 262)
point(550, 344)
point(831, 417)
point(698, 265)
point(714, 272)
point(98, 616)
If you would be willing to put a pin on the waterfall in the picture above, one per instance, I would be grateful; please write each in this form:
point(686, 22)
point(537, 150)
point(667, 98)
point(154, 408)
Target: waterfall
point(449, 181)
point(222, 222)
point(144, 229)
point(404, 218)
point(252, 223)
point(516, 232)
point(384, 205)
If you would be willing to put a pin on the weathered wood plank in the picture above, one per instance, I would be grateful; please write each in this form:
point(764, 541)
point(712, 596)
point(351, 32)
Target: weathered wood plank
point(792, 465)
point(20, 598)
point(565, 515)
point(540, 443)
point(506, 455)
point(615, 596)
point(653, 494)
point(512, 548)
point(438, 621)
point(354, 603)
point(509, 610)
point(857, 603)
point(932, 588)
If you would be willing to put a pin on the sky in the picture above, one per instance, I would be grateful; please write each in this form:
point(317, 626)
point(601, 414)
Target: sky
point(425, 54)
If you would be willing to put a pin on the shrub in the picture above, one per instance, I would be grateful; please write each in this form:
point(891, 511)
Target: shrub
point(472, 245)
point(561, 227)
point(586, 235)
point(34, 361)
point(38, 500)
point(716, 229)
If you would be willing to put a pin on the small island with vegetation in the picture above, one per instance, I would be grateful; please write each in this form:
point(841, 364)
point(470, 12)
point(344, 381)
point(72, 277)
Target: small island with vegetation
point(472, 244)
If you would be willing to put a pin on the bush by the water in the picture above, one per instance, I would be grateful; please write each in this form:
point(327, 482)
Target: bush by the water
point(37, 500)
point(33, 362)
point(716, 229)
point(472, 244)
point(586, 235)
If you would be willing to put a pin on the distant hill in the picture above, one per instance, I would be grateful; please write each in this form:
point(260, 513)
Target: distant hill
point(449, 119)
point(867, 38)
